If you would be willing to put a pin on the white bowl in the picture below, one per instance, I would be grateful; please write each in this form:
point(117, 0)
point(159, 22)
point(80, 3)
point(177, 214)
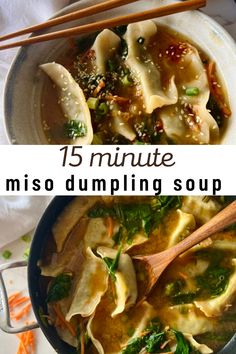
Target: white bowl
point(24, 82)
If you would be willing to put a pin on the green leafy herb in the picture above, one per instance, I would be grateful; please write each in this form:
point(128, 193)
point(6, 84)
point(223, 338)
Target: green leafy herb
point(154, 341)
point(59, 287)
point(75, 129)
point(182, 344)
point(154, 325)
point(112, 264)
point(136, 217)
point(215, 280)
point(7, 254)
point(111, 65)
point(183, 298)
point(174, 287)
point(26, 238)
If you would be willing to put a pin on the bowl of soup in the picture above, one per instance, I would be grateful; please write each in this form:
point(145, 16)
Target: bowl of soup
point(87, 289)
point(163, 81)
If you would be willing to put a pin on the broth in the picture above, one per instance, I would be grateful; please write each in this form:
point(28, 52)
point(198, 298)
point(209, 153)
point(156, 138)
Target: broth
point(184, 296)
point(122, 97)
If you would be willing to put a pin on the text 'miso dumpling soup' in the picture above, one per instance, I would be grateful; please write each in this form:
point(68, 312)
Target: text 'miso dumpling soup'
point(93, 285)
point(136, 84)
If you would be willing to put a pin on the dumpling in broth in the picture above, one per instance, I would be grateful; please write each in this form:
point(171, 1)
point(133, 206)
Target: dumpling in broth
point(72, 101)
point(189, 120)
point(105, 46)
point(137, 317)
point(89, 291)
point(125, 284)
point(144, 70)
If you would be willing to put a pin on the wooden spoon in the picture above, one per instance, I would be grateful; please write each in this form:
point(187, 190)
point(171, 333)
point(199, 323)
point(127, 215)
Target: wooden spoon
point(158, 262)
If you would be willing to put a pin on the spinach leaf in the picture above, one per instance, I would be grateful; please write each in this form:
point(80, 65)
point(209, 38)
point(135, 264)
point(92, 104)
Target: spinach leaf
point(112, 264)
point(154, 341)
point(183, 298)
point(215, 280)
point(182, 345)
point(136, 217)
point(59, 288)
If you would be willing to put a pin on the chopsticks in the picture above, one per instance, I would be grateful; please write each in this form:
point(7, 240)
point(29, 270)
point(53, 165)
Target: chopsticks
point(88, 11)
point(96, 26)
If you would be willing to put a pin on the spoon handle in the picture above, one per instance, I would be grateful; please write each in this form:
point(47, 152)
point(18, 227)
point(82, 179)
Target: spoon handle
point(224, 218)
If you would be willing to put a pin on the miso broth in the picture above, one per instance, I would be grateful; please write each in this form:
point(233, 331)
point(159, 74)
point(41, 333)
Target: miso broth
point(116, 97)
point(90, 278)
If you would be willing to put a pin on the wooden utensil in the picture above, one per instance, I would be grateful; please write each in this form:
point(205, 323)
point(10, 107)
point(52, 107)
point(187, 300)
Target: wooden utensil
point(100, 25)
point(156, 263)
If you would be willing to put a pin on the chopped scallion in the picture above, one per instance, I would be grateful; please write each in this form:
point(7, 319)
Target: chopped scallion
point(26, 238)
point(126, 80)
point(7, 254)
point(93, 103)
point(192, 91)
point(102, 109)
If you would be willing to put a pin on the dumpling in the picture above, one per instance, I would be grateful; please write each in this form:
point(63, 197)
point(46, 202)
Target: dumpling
point(125, 284)
point(178, 226)
point(89, 291)
point(97, 234)
point(203, 210)
point(72, 100)
point(69, 217)
point(105, 46)
point(137, 317)
point(189, 120)
point(121, 126)
point(186, 318)
point(215, 306)
point(143, 68)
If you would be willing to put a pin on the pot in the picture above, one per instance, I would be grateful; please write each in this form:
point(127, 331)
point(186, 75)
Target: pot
point(38, 294)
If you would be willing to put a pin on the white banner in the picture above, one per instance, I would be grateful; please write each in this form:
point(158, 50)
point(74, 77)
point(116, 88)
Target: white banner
point(123, 170)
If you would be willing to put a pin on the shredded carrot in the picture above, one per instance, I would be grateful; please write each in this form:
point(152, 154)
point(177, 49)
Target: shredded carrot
point(183, 275)
point(68, 325)
point(99, 87)
point(118, 99)
point(19, 301)
point(110, 225)
point(27, 343)
point(23, 312)
point(13, 297)
point(215, 89)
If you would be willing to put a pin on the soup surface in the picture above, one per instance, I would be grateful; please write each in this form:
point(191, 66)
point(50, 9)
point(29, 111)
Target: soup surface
point(93, 286)
point(143, 84)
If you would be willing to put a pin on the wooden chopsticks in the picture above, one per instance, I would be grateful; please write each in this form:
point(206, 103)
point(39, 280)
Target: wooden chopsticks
point(96, 26)
point(88, 11)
